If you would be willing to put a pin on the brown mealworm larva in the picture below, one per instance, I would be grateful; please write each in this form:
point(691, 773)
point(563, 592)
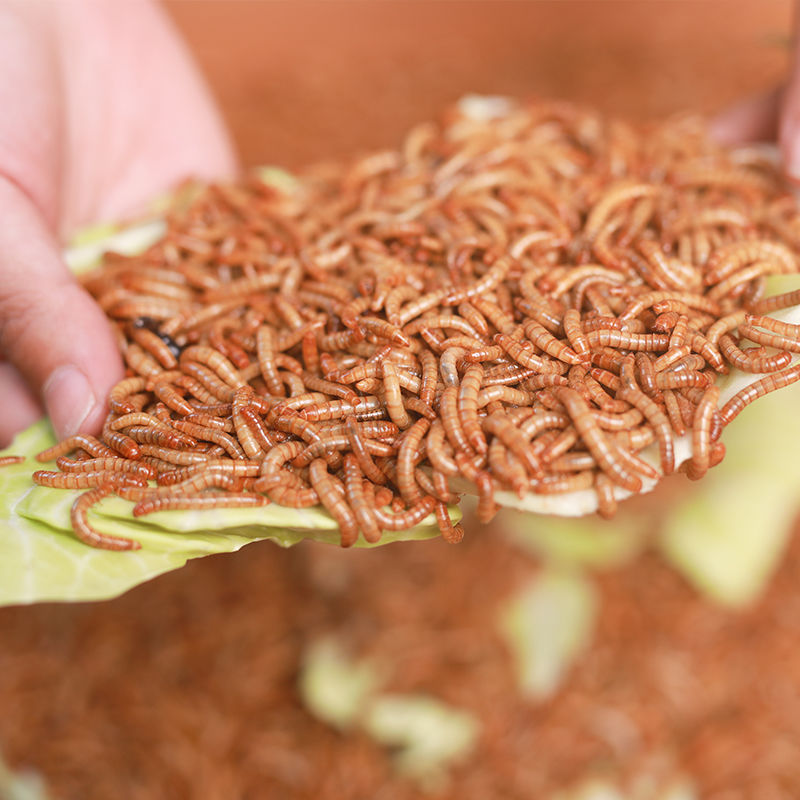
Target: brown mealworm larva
point(86, 533)
point(357, 499)
point(406, 460)
point(468, 407)
point(104, 465)
point(80, 441)
point(749, 361)
point(604, 451)
point(331, 493)
point(87, 480)
point(575, 335)
point(701, 434)
point(606, 501)
point(776, 302)
point(770, 339)
point(198, 502)
point(452, 534)
point(524, 353)
point(393, 396)
point(436, 449)
point(769, 383)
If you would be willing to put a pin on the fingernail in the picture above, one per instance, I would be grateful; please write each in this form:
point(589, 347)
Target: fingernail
point(69, 399)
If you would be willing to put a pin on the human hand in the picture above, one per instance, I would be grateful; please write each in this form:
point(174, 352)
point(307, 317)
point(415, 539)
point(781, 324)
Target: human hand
point(102, 110)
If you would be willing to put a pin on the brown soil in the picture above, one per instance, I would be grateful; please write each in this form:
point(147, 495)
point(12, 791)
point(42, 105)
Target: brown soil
point(187, 687)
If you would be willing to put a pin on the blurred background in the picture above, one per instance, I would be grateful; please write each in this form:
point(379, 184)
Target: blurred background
point(509, 666)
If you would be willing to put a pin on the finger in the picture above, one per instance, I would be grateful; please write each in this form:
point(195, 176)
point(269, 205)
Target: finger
point(152, 132)
point(754, 119)
point(20, 406)
point(50, 328)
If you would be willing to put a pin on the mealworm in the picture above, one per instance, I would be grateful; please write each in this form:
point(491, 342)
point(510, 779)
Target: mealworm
point(770, 339)
point(198, 503)
point(155, 346)
point(406, 461)
point(452, 534)
point(604, 452)
point(769, 383)
point(331, 494)
point(468, 407)
point(119, 401)
point(606, 501)
point(776, 302)
point(752, 362)
point(524, 354)
point(89, 535)
point(86, 480)
point(575, 335)
point(80, 441)
point(701, 434)
point(357, 499)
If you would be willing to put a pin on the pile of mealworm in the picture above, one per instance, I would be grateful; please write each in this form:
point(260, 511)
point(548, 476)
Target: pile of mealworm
point(521, 300)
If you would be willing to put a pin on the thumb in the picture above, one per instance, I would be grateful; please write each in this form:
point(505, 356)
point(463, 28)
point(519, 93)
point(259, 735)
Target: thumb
point(50, 328)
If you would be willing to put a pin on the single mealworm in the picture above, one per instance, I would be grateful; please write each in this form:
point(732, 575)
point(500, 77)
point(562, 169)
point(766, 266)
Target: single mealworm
point(603, 450)
point(436, 449)
point(606, 501)
point(357, 499)
point(361, 452)
point(89, 535)
point(701, 434)
point(752, 362)
point(452, 534)
point(86, 480)
point(331, 494)
point(575, 335)
point(407, 457)
point(448, 413)
point(118, 398)
point(105, 465)
point(776, 302)
point(770, 339)
point(393, 396)
point(769, 383)
point(198, 502)
point(524, 353)
point(80, 441)
point(153, 344)
point(468, 407)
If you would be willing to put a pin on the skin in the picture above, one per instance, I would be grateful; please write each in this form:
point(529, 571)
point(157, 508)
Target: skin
point(97, 130)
